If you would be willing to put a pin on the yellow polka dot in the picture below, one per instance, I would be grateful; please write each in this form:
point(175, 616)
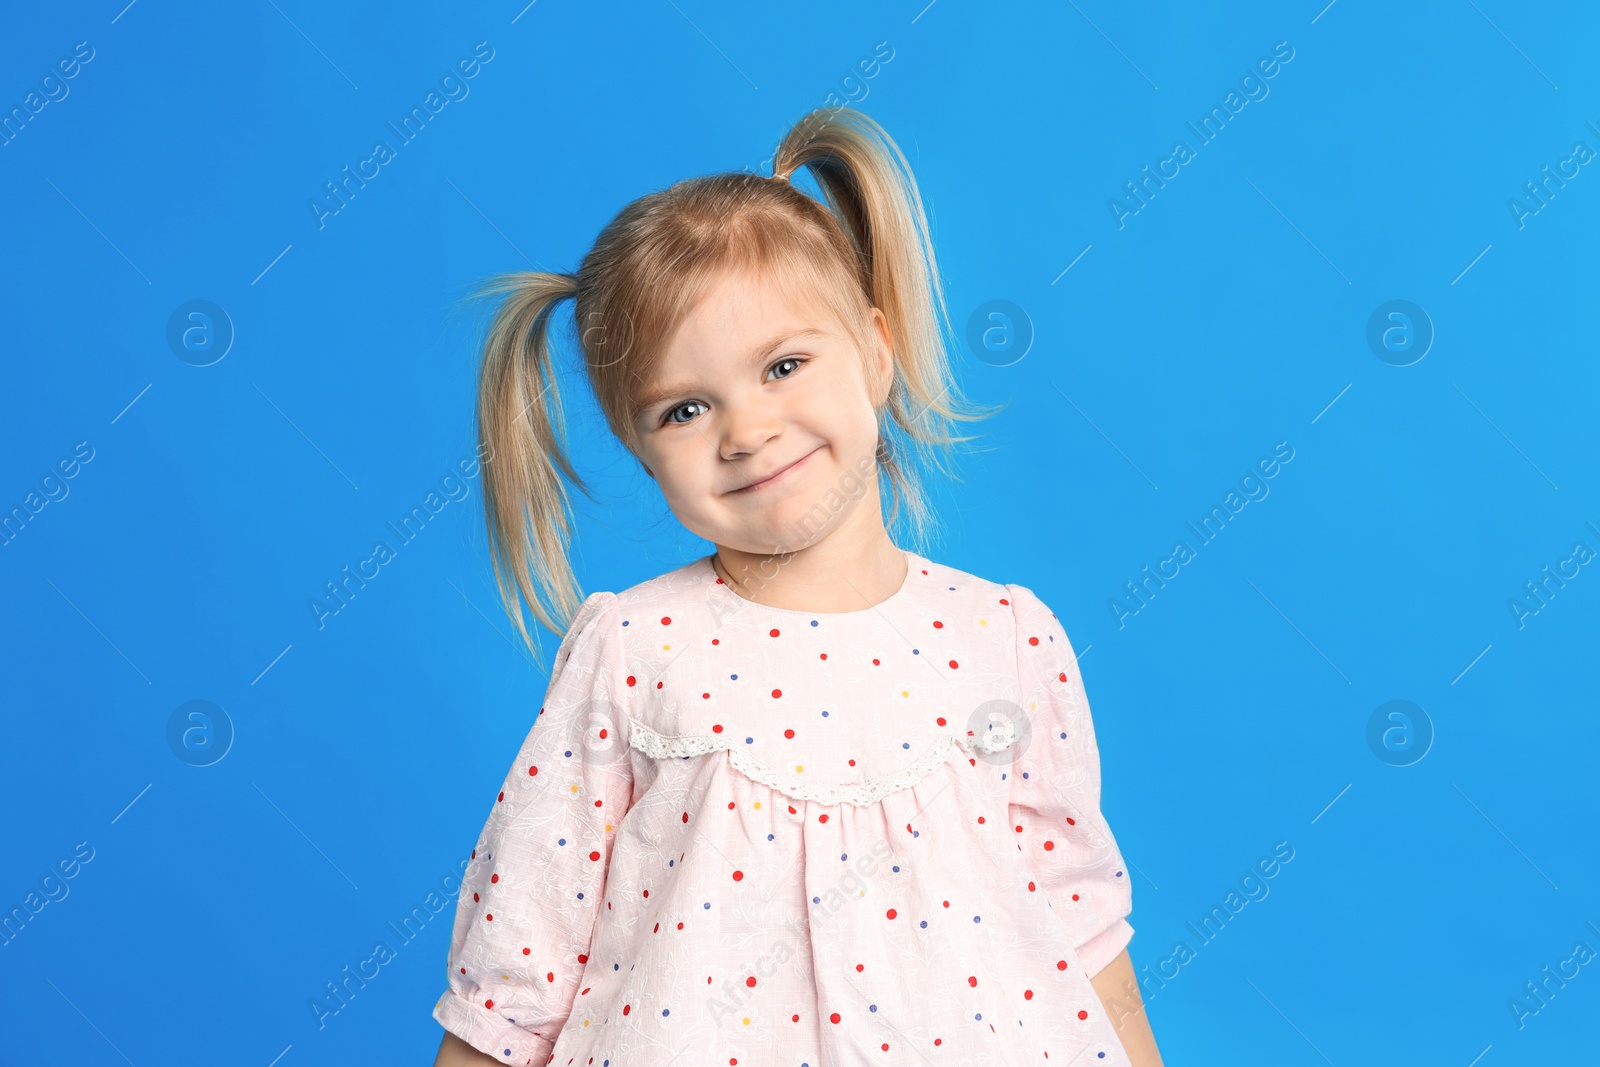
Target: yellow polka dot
point(573, 788)
point(666, 648)
point(798, 769)
point(758, 805)
point(904, 693)
point(747, 1020)
point(983, 622)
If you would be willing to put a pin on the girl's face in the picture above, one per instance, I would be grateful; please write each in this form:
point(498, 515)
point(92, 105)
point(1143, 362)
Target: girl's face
point(760, 423)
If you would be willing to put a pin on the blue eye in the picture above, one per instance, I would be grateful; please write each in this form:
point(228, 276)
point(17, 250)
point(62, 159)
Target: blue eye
point(687, 404)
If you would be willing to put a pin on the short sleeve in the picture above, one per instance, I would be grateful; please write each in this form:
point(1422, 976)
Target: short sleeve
point(525, 916)
point(1055, 791)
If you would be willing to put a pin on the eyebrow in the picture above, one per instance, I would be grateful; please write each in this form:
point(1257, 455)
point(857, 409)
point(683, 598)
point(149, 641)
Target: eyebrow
point(777, 341)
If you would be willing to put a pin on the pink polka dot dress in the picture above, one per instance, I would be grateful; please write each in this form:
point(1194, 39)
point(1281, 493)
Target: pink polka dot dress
point(739, 834)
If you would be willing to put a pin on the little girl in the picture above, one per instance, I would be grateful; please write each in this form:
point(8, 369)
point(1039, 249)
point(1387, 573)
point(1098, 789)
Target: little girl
point(812, 800)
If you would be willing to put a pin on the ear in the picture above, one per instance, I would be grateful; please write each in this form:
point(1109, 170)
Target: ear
point(882, 361)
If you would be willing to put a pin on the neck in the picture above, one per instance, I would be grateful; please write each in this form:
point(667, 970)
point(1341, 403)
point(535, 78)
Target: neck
point(851, 569)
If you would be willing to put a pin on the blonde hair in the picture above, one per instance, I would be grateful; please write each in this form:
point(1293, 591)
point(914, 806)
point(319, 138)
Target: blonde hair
point(868, 247)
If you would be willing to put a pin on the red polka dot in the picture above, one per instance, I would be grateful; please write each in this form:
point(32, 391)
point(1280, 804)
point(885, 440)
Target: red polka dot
point(891, 913)
point(954, 665)
point(527, 952)
point(1027, 994)
point(488, 1003)
point(885, 1046)
point(875, 663)
point(660, 684)
point(1061, 965)
point(860, 967)
point(1049, 846)
point(972, 980)
point(488, 918)
point(772, 633)
point(685, 816)
point(716, 640)
point(1074, 896)
point(937, 625)
point(1019, 829)
point(1033, 640)
point(824, 655)
point(788, 733)
point(532, 771)
point(777, 693)
point(980, 820)
point(632, 680)
point(834, 1017)
point(1062, 676)
point(666, 620)
point(499, 798)
point(594, 855)
point(1071, 821)
point(716, 728)
point(494, 878)
point(1083, 1015)
point(738, 876)
point(705, 696)
point(822, 818)
point(730, 805)
point(940, 720)
point(938, 1041)
point(794, 1018)
point(751, 981)
point(626, 1008)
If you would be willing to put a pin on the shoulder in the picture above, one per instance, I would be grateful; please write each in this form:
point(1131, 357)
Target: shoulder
point(1007, 601)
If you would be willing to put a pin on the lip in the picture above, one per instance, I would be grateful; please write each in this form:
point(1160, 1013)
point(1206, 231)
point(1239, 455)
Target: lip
point(779, 474)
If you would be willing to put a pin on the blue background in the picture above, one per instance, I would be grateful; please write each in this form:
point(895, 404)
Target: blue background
point(1230, 313)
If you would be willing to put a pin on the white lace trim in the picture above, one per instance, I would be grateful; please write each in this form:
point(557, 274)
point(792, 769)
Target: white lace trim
point(870, 791)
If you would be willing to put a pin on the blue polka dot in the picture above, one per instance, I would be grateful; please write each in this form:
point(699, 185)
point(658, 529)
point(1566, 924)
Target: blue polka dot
point(824, 715)
point(872, 1007)
point(735, 677)
point(916, 651)
point(905, 744)
point(895, 868)
point(816, 900)
point(977, 918)
point(978, 1016)
point(561, 841)
point(769, 837)
point(844, 856)
point(624, 622)
point(666, 1011)
point(813, 622)
point(707, 905)
point(749, 740)
point(924, 924)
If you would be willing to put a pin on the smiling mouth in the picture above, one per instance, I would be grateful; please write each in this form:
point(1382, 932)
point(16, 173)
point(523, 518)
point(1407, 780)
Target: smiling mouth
point(778, 474)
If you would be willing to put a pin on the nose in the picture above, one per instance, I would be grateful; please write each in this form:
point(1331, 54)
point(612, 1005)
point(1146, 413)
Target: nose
point(748, 425)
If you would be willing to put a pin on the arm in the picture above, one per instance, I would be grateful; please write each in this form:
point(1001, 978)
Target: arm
point(1118, 991)
point(454, 1052)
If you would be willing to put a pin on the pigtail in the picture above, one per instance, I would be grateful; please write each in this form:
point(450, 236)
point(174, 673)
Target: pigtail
point(869, 187)
point(521, 431)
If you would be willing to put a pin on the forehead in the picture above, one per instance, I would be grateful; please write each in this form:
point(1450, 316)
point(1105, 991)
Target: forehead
point(739, 315)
